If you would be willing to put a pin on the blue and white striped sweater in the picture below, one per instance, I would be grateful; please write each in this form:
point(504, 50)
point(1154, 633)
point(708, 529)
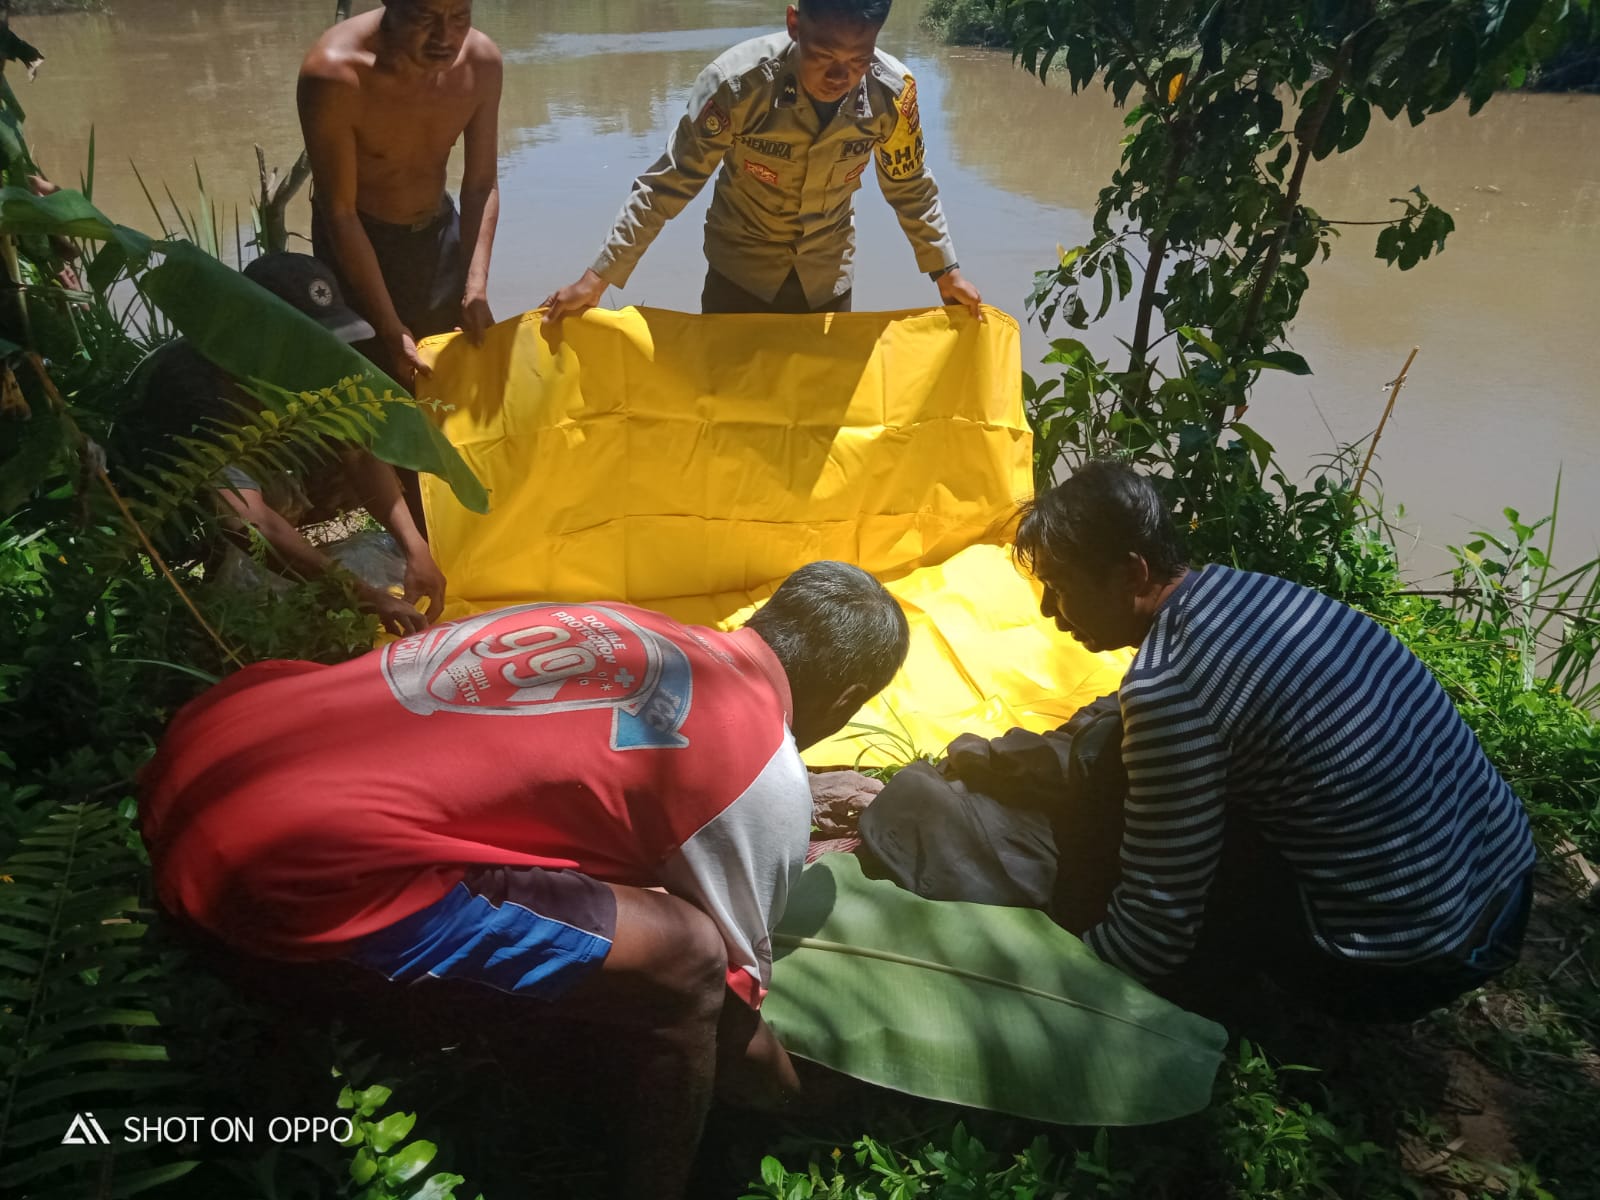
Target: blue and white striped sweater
point(1258, 694)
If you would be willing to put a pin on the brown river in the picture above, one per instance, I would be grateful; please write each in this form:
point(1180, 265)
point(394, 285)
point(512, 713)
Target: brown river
point(1504, 393)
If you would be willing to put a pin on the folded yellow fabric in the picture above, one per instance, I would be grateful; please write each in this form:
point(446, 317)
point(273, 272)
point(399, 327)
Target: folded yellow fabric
point(689, 463)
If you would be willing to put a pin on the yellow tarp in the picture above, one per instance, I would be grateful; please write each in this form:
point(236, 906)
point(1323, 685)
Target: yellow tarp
point(689, 463)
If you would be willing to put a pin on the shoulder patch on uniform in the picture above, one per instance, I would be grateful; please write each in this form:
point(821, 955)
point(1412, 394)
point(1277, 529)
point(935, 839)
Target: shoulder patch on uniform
point(713, 119)
point(901, 155)
point(907, 105)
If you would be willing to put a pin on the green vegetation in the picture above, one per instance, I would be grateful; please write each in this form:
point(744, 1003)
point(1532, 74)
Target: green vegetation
point(106, 627)
point(29, 8)
point(1568, 38)
point(968, 22)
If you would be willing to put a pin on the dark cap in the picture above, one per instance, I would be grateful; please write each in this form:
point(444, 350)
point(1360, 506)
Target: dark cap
point(309, 284)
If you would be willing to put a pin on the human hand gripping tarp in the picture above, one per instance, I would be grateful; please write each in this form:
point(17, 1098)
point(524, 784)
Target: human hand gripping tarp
point(688, 464)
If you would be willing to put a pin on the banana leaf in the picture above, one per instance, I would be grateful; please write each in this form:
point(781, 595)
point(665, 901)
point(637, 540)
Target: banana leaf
point(251, 334)
point(69, 214)
point(994, 1008)
point(244, 329)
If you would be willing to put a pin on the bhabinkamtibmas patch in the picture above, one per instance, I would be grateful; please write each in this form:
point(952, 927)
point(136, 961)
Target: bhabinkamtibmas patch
point(901, 155)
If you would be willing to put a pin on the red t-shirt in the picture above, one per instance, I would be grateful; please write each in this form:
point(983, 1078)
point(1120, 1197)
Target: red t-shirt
point(295, 808)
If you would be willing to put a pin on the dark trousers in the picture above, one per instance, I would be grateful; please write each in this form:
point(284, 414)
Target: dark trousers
point(425, 273)
point(1256, 924)
point(722, 295)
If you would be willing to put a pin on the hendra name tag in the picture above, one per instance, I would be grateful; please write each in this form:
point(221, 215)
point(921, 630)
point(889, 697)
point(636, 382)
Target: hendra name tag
point(537, 659)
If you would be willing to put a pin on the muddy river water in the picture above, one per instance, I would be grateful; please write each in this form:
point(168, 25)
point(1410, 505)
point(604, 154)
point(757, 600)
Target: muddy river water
point(1505, 391)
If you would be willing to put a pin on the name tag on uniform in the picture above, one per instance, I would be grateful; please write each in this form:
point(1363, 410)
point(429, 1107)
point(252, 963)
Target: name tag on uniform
point(768, 146)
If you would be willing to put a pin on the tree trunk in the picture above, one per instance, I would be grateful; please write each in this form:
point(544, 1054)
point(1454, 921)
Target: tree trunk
point(1291, 196)
point(1152, 271)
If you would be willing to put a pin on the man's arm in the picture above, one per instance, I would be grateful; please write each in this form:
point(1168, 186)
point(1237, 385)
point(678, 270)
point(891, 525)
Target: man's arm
point(738, 868)
point(910, 188)
point(328, 98)
point(375, 482)
point(480, 195)
point(305, 560)
point(1172, 838)
point(694, 150)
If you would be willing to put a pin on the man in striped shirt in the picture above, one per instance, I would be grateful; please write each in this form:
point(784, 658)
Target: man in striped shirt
point(1303, 798)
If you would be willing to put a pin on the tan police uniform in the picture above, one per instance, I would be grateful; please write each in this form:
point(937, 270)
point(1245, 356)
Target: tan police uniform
point(783, 201)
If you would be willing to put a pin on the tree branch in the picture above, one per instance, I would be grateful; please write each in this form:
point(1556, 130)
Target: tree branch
point(1291, 195)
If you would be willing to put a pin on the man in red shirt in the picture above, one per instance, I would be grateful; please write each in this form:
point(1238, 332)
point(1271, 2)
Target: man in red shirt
point(520, 780)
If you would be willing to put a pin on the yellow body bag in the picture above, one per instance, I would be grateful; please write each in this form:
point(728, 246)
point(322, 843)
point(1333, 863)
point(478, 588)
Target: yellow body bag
point(689, 463)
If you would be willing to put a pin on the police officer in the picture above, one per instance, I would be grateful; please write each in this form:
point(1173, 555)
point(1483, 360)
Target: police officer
point(795, 119)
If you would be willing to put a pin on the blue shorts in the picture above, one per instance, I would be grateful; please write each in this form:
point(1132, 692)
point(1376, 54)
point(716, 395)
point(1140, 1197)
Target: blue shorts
point(524, 930)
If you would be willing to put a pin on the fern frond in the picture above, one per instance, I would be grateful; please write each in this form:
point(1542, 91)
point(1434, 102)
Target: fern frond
point(76, 1020)
point(289, 432)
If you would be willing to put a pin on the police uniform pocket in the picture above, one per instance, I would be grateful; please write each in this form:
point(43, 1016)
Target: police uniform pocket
point(847, 174)
point(762, 172)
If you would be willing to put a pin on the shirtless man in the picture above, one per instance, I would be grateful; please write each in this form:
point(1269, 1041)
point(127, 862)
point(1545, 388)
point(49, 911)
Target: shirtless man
point(383, 97)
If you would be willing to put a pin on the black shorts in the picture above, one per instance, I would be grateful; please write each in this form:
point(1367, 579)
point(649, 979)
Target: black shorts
point(422, 266)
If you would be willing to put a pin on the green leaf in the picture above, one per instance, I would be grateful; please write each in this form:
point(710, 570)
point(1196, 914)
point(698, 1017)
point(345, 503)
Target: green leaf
point(1357, 118)
point(405, 1166)
point(1124, 276)
point(253, 335)
point(772, 1172)
point(87, 1052)
point(13, 146)
point(42, 449)
point(996, 1008)
point(363, 1166)
point(68, 214)
point(1509, 23)
point(439, 1187)
point(384, 1135)
point(1207, 346)
point(14, 49)
point(1331, 130)
point(369, 1100)
point(1281, 360)
point(1258, 445)
point(106, 266)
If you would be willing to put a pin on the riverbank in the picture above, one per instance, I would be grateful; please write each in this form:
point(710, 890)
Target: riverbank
point(1500, 398)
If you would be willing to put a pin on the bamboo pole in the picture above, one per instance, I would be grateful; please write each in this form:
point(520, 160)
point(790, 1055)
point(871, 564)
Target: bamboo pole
point(1394, 392)
point(96, 467)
